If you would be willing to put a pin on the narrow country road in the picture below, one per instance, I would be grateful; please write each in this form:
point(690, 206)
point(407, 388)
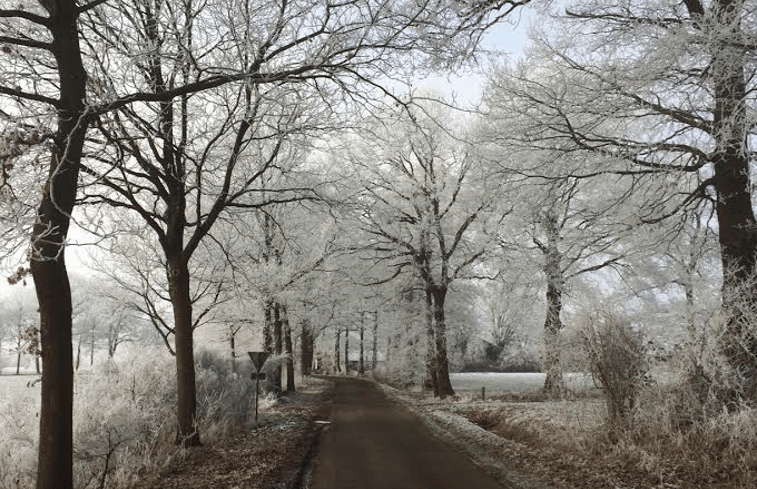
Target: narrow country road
point(374, 443)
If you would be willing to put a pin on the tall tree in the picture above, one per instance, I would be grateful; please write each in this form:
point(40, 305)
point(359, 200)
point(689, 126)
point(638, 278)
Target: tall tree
point(44, 70)
point(422, 204)
point(663, 92)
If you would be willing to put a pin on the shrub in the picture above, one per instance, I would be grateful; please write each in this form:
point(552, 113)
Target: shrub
point(617, 362)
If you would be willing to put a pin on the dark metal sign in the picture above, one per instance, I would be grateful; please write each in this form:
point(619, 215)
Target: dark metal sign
point(258, 359)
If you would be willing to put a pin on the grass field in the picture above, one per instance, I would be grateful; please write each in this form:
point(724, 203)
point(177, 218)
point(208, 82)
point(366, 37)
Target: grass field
point(497, 383)
point(18, 387)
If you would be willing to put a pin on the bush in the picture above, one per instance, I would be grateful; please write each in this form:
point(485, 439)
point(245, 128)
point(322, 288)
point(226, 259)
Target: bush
point(617, 362)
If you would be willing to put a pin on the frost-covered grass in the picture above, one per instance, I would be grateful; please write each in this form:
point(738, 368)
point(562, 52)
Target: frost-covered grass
point(499, 383)
point(124, 417)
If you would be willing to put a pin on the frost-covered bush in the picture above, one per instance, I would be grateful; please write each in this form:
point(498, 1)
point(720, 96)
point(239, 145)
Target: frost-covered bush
point(121, 410)
point(708, 381)
point(223, 396)
point(19, 427)
point(617, 362)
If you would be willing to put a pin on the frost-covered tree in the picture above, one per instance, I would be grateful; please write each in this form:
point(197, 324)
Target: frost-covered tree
point(562, 223)
point(423, 209)
point(664, 92)
point(20, 323)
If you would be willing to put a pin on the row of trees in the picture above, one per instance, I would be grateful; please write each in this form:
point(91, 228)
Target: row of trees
point(174, 114)
point(101, 322)
point(655, 98)
point(621, 141)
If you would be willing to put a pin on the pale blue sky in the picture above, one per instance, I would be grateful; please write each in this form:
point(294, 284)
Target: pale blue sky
point(507, 39)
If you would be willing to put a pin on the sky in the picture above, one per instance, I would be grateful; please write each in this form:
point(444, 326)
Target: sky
point(509, 38)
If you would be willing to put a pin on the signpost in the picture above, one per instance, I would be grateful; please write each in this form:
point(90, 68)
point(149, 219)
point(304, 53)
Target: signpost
point(258, 360)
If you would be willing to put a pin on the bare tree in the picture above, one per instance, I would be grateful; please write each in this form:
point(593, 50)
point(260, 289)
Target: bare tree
point(421, 205)
point(20, 322)
point(663, 93)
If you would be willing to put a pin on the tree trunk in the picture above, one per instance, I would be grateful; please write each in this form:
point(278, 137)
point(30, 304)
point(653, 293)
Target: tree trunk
point(233, 347)
point(389, 355)
point(337, 353)
point(18, 359)
point(114, 330)
point(268, 341)
point(736, 220)
point(56, 436)
point(178, 286)
point(278, 346)
point(78, 353)
point(439, 294)
point(92, 346)
point(554, 385)
point(288, 349)
point(361, 366)
point(268, 326)
point(347, 349)
point(432, 381)
point(375, 340)
point(307, 344)
point(47, 262)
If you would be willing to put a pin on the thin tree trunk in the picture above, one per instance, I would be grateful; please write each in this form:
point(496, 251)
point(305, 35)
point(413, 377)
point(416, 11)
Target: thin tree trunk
point(389, 355)
point(361, 366)
point(268, 341)
point(337, 353)
point(233, 346)
point(278, 346)
point(375, 340)
point(78, 353)
point(92, 346)
point(347, 349)
point(288, 349)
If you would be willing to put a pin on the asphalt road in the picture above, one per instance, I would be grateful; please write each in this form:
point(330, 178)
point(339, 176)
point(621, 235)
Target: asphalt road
point(374, 443)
